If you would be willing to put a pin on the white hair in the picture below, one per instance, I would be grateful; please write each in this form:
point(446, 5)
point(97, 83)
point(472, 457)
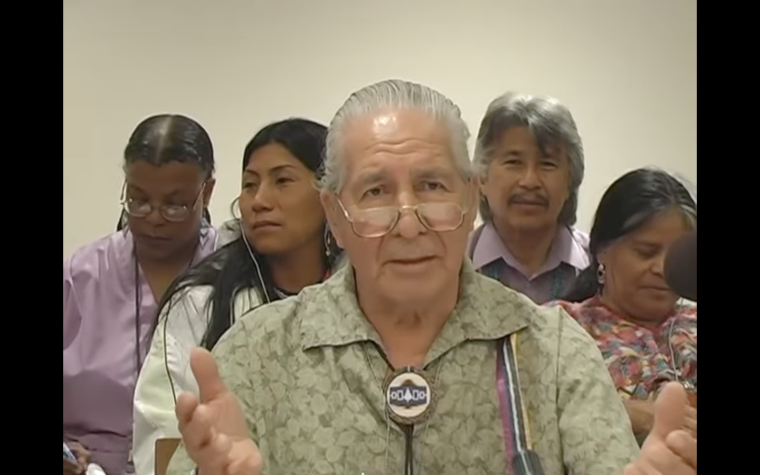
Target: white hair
point(551, 123)
point(388, 95)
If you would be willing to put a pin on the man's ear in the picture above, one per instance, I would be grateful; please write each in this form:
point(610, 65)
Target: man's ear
point(481, 183)
point(208, 191)
point(333, 215)
point(476, 192)
point(473, 200)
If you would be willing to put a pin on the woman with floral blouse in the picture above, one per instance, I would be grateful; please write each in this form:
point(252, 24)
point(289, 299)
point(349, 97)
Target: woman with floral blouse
point(646, 334)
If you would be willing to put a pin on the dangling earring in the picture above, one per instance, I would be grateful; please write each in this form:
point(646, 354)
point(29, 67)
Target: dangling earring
point(123, 223)
point(600, 274)
point(328, 241)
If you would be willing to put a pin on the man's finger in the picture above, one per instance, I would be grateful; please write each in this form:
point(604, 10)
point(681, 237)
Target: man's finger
point(244, 458)
point(633, 470)
point(198, 432)
point(669, 410)
point(186, 404)
point(213, 457)
point(684, 446)
point(206, 374)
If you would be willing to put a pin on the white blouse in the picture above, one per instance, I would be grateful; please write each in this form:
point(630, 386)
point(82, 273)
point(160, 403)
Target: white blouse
point(166, 371)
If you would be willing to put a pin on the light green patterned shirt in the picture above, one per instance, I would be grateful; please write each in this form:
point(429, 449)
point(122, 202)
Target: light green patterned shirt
point(308, 373)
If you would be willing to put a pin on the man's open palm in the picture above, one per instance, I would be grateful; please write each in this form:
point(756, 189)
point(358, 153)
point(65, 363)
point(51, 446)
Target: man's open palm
point(213, 429)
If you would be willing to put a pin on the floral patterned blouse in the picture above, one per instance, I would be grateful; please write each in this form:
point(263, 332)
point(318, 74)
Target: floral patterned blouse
point(641, 359)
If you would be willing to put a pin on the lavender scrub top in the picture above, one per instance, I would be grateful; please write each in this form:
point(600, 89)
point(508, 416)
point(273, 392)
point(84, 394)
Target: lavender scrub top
point(100, 362)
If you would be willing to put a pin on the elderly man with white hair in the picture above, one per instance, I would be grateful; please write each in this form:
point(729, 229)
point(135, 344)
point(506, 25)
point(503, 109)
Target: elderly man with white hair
point(408, 360)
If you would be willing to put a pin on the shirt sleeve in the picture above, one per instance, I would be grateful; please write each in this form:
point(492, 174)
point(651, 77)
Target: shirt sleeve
point(166, 374)
point(71, 317)
point(597, 438)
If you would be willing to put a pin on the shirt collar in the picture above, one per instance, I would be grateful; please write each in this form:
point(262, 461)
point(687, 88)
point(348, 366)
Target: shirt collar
point(570, 246)
point(486, 310)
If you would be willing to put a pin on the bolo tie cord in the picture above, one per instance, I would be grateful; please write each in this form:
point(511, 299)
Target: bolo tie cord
point(409, 441)
point(138, 350)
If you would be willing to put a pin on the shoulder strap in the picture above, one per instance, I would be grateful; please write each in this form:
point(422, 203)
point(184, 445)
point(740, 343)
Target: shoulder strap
point(514, 417)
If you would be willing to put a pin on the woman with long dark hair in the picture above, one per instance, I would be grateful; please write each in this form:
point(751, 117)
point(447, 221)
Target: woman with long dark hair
point(647, 336)
point(111, 287)
point(283, 246)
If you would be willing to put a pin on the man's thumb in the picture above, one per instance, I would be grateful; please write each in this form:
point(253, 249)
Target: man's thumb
point(206, 374)
point(669, 410)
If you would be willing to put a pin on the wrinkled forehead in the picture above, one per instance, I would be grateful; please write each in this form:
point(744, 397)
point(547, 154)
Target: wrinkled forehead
point(396, 143)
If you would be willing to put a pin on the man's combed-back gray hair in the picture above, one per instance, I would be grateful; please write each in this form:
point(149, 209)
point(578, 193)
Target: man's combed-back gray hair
point(552, 125)
point(392, 95)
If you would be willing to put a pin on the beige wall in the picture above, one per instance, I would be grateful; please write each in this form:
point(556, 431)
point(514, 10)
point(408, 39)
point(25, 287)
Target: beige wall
point(626, 69)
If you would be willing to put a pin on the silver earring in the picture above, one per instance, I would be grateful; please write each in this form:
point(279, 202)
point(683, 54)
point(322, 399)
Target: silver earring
point(328, 241)
point(600, 274)
point(235, 209)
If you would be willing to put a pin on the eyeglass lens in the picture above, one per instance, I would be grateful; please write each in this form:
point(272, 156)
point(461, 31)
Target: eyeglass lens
point(141, 209)
point(434, 216)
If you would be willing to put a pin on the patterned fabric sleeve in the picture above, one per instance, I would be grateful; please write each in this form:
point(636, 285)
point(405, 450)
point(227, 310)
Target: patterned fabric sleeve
point(682, 342)
point(596, 432)
point(685, 344)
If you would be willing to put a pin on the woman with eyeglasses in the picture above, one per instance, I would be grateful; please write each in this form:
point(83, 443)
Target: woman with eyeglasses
point(283, 245)
point(111, 287)
point(647, 336)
